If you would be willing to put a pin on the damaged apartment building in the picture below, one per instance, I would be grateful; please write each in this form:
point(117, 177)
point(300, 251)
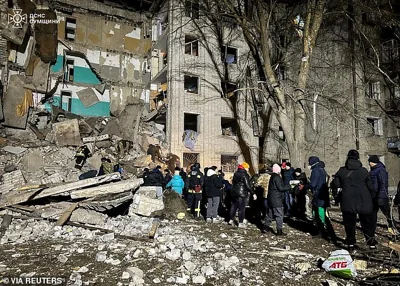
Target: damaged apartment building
point(86, 59)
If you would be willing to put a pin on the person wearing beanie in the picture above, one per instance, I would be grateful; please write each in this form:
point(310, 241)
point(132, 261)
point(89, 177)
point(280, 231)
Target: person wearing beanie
point(356, 199)
point(380, 180)
point(287, 176)
point(212, 185)
point(240, 192)
point(320, 198)
point(275, 199)
point(176, 183)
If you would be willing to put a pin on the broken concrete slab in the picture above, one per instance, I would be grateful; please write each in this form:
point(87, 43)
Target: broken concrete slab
point(88, 217)
point(11, 181)
point(16, 99)
point(145, 206)
point(67, 133)
point(106, 202)
point(16, 197)
point(14, 150)
point(88, 97)
point(38, 82)
point(143, 161)
point(153, 192)
point(112, 188)
point(32, 161)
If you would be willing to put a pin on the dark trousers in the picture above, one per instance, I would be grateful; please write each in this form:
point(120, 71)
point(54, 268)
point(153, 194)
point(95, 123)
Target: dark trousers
point(278, 214)
point(385, 208)
point(193, 203)
point(238, 203)
point(368, 226)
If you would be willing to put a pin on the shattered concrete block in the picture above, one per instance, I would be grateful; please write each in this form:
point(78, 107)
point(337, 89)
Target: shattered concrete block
point(53, 179)
point(134, 271)
point(67, 133)
point(14, 150)
point(145, 206)
point(88, 97)
point(143, 161)
point(14, 180)
point(32, 161)
point(152, 192)
point(88, 217)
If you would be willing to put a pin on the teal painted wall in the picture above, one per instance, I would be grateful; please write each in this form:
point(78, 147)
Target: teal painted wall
point(100, 108)
point(58, 65)
point(81, 74)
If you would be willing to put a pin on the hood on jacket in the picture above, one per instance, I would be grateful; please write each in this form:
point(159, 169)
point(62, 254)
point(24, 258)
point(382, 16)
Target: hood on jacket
point(322, 164)
point(353, 164)
point(313, 160)
point(210, 172)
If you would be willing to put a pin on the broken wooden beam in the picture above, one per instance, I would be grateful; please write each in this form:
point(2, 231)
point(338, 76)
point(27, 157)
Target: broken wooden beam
point(154, 228)
point(5, 224)
point(16, 197)
point(112, 188)
point(66, 215)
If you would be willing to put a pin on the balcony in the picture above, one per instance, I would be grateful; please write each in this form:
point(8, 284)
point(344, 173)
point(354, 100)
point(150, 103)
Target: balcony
point(392, 106)
point(393, 144)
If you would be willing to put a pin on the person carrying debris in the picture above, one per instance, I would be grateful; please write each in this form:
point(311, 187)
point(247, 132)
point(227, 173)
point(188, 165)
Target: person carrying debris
point(155, 152)
point(81, 155)
point(176, 183)
point(195, 182)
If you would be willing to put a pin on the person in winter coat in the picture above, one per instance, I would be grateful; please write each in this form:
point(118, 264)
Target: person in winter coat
point(154, 178)
point(226, 194)
point(240, 192)
point(380, 180)
point(357, 199)
point(260, 185)
point(176, 183)
point(167, 176)
point(213, 186)
point(195, 184)
point(275, 198)
point(287, 176)
point(300, 193)
point(320, 197)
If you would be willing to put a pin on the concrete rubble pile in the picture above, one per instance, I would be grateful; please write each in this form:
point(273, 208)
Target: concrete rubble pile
point(39, 178)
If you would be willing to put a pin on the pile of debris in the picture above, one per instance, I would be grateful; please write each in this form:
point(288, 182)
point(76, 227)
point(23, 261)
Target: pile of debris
point(40, 180)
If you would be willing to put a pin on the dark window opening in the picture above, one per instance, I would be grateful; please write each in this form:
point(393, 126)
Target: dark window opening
point(191, 46)
point(70, 28)
point(191, 84)
point(229, 126)
point(191, 122)
point(66, 100)
point(376, 126)
point(69, 73)
point(192, 9)
point(228, 89)
point(229, 55)
point(229, 163)
point(281, 134)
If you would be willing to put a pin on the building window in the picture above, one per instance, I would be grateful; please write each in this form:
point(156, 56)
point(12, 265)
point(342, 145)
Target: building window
point(376, 125)
point(191, 84)
point(228, 89)
point(281, 134)
point(229, 163)
point(229, 126)
point(69, 72)
point(394, 91)
point(70, 28)
point(66, 100)
point(191, 122)
point(192, 9)
point(229, 55)
point(191, 46)
point(373, 90)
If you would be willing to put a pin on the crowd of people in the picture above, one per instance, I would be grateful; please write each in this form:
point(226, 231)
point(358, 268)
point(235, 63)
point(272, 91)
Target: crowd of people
point(281, 191)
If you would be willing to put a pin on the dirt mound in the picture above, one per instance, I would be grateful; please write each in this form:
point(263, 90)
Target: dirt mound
point(173, 204)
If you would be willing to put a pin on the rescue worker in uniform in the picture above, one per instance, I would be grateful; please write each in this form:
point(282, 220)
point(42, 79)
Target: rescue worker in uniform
point(195, 183)
point(81, 155)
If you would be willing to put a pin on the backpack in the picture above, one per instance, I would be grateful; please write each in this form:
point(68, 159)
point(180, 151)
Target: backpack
point(263, 182)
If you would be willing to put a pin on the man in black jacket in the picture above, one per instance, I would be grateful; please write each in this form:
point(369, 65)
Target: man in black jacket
point(213, 186)
point(240, 192)
point(276, 198)
point(154, 178)
point(357, 199)
point(195, 183)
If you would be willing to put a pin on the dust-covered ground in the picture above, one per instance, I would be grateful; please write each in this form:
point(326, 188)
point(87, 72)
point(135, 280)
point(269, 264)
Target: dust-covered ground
point(187, 252)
